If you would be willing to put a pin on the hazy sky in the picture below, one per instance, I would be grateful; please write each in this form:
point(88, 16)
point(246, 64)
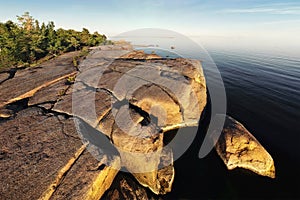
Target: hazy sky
point(264, 19)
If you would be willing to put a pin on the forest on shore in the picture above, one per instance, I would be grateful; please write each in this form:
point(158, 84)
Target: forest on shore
point(27, 41)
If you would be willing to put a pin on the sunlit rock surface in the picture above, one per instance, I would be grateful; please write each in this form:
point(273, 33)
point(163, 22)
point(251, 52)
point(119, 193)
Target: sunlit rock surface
point(137, 98)
point(238, 148)
point(42, 155)
point(159, 95)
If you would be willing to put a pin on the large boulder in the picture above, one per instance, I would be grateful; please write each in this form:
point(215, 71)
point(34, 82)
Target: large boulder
point(238, 148)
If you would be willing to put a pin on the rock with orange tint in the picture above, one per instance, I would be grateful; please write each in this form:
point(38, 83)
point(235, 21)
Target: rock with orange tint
point(136, 99)
point(150, 96)
point(140, 55)
point(238, 148)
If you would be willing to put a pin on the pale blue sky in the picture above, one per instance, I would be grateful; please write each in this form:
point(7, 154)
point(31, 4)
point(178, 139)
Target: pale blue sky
point(270, 19)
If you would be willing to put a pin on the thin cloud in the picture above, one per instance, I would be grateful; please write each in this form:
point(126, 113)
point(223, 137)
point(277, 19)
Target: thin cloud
point(271, 9)
point(281, 22)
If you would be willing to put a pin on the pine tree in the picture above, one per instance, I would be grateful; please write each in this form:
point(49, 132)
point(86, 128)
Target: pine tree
point(26, 41)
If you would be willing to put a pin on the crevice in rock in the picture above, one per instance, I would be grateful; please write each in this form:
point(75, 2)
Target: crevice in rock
point(63, 128)
point(12, 72)
point(18, 105)
point(204, 122)
point(66, 90)
point(62, 174)
point(22, 104)
point(169, 136)
point(96, 138)
point(40, 105)
point(112, 131)
point(55, 113)
point(147, 120)
point(173, 97)
point(108, 92)
point(35, 90)
point(118, 104)
point(87, 87)
point(4, 119)
point(103, 117)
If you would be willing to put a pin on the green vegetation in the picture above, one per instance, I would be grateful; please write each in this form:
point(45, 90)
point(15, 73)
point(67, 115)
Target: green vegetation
point(70, 80)
point(61, 92)
point(83, 53)
point(27, 42)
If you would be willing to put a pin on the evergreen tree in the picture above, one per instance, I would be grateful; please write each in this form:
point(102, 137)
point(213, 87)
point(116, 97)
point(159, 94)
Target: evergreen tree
point(27, 41)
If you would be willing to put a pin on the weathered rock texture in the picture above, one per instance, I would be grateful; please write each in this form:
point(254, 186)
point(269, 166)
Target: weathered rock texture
point(138, 98)
point(238, 148)
point(125, 187)
point(26, 80)
point(42, 156)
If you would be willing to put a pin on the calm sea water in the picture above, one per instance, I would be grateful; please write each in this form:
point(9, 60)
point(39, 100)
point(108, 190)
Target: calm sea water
point(263, 93)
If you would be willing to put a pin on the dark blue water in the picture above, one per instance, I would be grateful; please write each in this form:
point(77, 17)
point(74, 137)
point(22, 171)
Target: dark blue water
point(263, 93)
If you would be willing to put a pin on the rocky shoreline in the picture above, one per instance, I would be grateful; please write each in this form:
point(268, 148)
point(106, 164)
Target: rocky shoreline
point(43, 157)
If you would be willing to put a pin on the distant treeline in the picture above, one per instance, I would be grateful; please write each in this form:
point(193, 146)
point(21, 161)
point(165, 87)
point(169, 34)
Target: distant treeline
point(27, 41)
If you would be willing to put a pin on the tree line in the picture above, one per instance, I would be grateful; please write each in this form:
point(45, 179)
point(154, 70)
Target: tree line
point(27, 41)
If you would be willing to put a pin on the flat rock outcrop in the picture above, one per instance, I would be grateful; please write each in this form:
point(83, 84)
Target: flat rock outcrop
point(43, 157)
point(24, 81)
